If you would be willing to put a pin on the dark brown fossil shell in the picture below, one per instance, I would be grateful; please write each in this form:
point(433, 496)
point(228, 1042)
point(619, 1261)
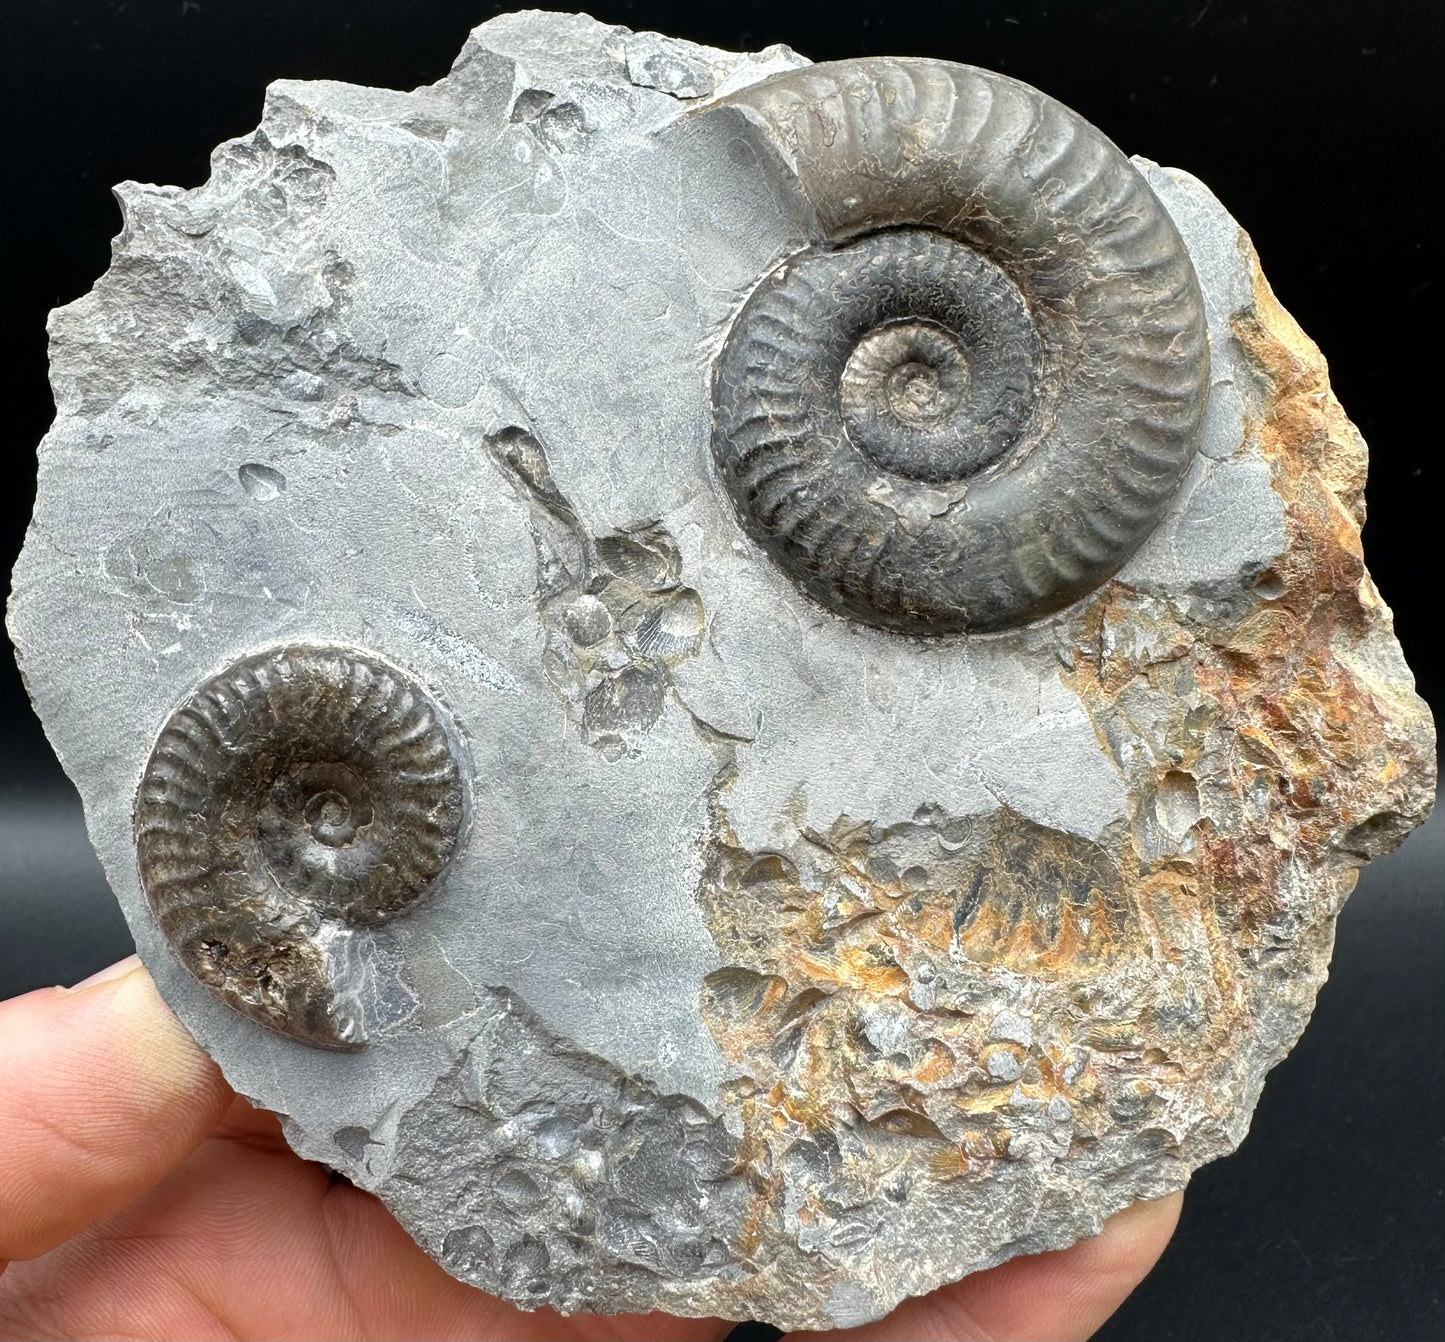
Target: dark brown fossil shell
point(299, 794)
point(976, 396)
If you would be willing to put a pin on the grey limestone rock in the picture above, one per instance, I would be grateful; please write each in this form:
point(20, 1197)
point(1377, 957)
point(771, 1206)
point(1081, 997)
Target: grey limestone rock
point(677, 890)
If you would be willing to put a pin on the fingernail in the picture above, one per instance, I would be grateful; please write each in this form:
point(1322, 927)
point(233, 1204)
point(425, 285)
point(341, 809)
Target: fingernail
point(116, 971)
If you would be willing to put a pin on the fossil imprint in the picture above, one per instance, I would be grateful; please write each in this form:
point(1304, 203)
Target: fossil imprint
point(298, 793)
point(969, 405)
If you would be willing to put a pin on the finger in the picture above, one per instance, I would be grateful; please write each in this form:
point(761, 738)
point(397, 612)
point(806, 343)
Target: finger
point(245, 1239)
point(102, 1093)
point(1055, 1296)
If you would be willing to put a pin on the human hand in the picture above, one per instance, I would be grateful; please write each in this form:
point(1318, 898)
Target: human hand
point(143, 1199)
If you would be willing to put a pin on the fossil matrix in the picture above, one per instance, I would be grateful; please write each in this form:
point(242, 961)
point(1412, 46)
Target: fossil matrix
point(744, 687)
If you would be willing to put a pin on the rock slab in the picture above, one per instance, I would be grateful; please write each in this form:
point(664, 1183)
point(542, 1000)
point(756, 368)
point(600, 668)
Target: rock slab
point(786, 967)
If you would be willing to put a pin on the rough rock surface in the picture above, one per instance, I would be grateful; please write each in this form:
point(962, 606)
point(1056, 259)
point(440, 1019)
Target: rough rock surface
point(787, 967)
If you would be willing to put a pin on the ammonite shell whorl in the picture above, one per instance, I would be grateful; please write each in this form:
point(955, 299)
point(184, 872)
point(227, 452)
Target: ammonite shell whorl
point(973, 400)
point(298, 794)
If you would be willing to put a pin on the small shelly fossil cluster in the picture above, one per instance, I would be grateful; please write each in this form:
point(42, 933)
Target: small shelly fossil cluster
point(615, 613)
point(742, 686)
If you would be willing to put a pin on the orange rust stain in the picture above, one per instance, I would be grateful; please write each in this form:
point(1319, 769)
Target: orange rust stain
point(951, 1163)
point(938, 1063)
point(853, 967)
point(807, 1111)
point(931, 925)
point(1028, 945)
point(1304, 729)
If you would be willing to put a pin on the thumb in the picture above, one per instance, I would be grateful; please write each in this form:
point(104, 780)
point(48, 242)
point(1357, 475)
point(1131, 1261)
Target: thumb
point(102, 1093)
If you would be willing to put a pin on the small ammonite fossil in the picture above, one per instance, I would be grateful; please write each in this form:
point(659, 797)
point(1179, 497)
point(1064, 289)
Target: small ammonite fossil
point(975, 396)
point(300, 794)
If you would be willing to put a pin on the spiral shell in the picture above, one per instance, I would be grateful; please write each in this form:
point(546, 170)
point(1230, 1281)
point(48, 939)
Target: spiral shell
point(301, 794)
point(976, 396)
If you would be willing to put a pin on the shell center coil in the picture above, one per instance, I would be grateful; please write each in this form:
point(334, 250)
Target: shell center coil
point(921, 348)
point(912, 374)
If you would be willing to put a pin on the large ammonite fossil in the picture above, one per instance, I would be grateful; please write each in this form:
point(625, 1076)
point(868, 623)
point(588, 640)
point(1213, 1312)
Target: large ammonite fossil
point(299, 794)
point(973, 400)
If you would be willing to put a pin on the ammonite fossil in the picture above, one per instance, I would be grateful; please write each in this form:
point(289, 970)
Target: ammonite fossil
point(970, 403)
point(300, 793)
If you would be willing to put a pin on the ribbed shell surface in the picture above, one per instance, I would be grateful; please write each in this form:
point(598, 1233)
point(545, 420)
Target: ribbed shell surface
point(1117, 404)
point(300, 792)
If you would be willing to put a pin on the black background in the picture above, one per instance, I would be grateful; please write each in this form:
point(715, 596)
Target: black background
point(1317, 124)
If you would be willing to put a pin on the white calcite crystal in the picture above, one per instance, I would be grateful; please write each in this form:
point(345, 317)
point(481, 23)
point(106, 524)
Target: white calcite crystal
point(782, 966)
